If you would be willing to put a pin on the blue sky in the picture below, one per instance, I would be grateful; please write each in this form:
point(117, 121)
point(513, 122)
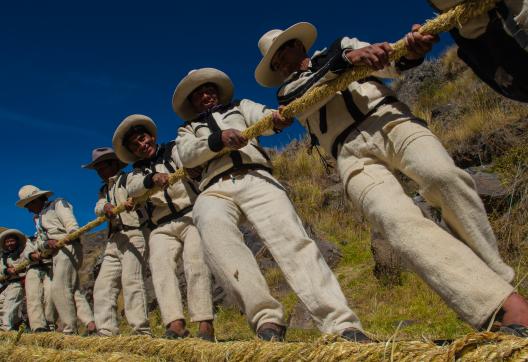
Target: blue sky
point(69, 75)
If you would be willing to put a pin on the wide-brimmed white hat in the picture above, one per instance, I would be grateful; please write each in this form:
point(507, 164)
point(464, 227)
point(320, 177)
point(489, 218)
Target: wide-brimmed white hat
point(180, 99)
point(131, 121)
point(13, 232)
point(28, 193)
point(101, 154)
point(270, 42)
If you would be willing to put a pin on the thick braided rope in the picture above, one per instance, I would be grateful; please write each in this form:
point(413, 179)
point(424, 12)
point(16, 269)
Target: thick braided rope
point(460, 14)
point(473, 347)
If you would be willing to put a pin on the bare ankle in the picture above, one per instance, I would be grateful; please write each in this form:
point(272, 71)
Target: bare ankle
point(515, 310)
point(177, 326)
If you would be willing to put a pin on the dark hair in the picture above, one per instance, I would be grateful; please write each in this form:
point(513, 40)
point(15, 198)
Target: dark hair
point(200, 86)
point(132, 131)
point(289, 44)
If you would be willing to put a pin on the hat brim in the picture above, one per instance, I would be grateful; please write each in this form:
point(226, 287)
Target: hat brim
point(105, 157)
point(23, 202)
point(117, 140)
point(305, 32)
point(4, 234)
point(180, 99)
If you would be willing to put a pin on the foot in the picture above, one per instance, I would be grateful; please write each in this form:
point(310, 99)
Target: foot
point(271, 332)
point(515, 311)
point(91, 329)
point(514, 330)
point(176, 330)
point(355, 335)
point(41, 330)
point(206, 331)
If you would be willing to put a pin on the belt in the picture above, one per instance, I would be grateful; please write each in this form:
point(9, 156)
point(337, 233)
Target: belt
point(120, 227)
point(236, 171)
point(174, 216)
point(41, 265)
point(343, 135)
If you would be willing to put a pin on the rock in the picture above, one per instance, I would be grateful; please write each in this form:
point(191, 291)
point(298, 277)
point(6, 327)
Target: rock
point(489, 187)
point(388, 263)
point(482, 148)
point(333, 197)
point(446, 114)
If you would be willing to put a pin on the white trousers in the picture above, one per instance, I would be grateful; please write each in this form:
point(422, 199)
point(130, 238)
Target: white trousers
point(123, 267)
point(40, 308)
point(466, 271)
point(263, 201)
point(67, 297)
point(14, 296)
point(166, 244)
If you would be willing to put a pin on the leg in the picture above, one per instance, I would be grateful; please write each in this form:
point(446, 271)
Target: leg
point(446, 264)
point(84, 310)
point(133, 281)
point(271, 212)
point(231, 260)
point(14, 296)
point(35, 299)
point(165, 249)
point(198, 276)
point(106, 290)
point(50, 312)
point(420, 155)
point(63, 286)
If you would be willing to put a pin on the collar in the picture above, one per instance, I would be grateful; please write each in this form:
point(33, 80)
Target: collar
point(217, 108)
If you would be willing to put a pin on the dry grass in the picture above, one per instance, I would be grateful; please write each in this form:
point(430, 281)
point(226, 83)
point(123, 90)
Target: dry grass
point(53, 346)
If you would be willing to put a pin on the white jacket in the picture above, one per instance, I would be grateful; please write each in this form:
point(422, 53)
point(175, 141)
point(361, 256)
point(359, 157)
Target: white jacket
point(200, 140)
point(176, 200)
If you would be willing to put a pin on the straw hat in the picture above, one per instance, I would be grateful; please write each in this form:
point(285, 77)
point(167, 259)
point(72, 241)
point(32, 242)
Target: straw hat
point(180, 102)
point(270, 42)
point(117, 141)
point(13, 232)
point(28, 193)
point(101, 154)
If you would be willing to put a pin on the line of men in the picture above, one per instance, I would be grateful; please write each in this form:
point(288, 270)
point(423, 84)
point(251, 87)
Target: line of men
point(369, 132)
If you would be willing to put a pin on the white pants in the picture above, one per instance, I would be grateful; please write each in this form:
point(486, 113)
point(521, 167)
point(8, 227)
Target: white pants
point(466, 271)
point(166, 244)
point(123, 267)
point(67, 297)
point(40, 308)
point(263, 201)
point(14, 296)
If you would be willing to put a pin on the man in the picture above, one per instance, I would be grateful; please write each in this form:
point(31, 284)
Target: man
point(12, 242)
point(174, 235)
point(124, 257)
point(371, 134)
point(54, 220)
point(239, 185)
point(40, 308)
point(495, 45)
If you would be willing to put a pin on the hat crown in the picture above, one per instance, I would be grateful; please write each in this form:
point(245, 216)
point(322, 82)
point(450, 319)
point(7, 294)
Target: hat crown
point(267, 39)
point(27, 191)
point(101, 151)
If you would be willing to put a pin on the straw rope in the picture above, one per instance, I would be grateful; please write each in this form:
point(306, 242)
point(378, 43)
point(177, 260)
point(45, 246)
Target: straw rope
point(485, 346)
point(460, 14)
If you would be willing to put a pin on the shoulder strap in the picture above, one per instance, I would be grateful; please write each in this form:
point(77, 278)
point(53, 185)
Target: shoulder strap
point(167, 156)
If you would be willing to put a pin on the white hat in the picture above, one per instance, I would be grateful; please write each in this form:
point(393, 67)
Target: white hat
point(270, 42)
point(101, 154)
point(28, 193)
point(13, 232)
point(117, 141)
point(180, 101)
